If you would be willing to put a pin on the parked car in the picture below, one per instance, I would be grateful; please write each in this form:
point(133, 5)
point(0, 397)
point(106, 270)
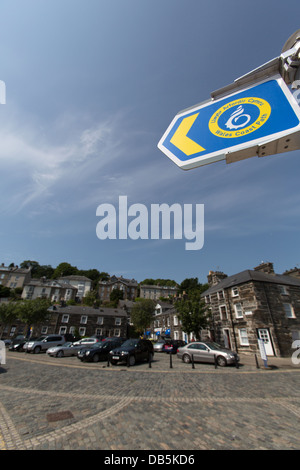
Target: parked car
point(87, 341)
point(99, 352)
point(66, 349)
point(206, 352)
point(33, 338)
point(172, 346)
point(44, 342)
point(17, 343)
point(158, 346)
point(132, 351)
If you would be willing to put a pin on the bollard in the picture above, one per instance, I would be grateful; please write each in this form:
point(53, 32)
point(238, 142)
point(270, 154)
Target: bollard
point(193, 365)
point(237, 363)
point(171, 366)
point(216, 363)
point(150, 357)
point(107, 361)
point(257, 365)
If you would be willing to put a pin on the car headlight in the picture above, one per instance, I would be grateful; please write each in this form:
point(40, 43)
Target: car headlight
point(124, 353)
point(87, 353)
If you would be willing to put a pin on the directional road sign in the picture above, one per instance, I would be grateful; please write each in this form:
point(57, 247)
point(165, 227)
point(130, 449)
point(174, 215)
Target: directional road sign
point(207, 132)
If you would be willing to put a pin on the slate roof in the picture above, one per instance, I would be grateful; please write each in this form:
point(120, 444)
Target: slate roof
point(101, 311)
point(251, 275)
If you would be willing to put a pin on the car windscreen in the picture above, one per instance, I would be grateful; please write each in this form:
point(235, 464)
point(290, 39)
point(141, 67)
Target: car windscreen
point(214, 346)
point(130, 343)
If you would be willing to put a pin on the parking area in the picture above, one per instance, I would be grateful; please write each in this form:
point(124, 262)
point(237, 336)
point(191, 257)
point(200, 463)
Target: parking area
point(61, 403)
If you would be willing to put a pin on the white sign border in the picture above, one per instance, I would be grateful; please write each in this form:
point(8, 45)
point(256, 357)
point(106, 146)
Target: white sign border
point(221, 154)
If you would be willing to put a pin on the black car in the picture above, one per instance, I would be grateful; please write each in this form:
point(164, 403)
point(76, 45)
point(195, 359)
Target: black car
point(172, 346)
point(99, 351)
point(132, 351)
point(17, 343)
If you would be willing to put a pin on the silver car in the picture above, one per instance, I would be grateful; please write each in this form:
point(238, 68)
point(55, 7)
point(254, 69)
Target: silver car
point(66, 349)
point(158, 346)
point(207, 352)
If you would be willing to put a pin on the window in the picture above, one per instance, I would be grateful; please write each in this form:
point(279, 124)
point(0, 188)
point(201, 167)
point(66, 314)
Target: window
point(116, 332)
point(62, 330)
point(238, 310)
point(289, 311)
point(283, 290)
point(234, 292)
point(100, 320)
point(84, 319)
point(44, 330)
point(99, 331)
point(118, 321)
point(65, 318)
point(243, 337)
point(223, 312)
point(82, 331)
point(175, 320)
point(221, 295)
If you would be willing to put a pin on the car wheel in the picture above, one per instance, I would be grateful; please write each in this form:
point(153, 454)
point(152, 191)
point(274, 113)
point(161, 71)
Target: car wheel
point(96, 358)
point(221, 361)
point(186, 358)
point(60, 354)
point(131, 360)
point(37, 350)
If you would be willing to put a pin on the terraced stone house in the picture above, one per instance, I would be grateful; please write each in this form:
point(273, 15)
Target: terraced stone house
point(255, 304)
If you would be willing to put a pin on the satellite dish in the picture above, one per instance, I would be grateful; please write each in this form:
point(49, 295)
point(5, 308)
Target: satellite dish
point(291, 41)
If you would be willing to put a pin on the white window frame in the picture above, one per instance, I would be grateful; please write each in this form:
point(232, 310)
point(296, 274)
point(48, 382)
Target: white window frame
point(118, 321)
point(221, 295)
point(243, 335)
point(175, 320)
point(82, 330)
point(221, 313)
point(83, 319)
point(238, 311)
point(65, 318)
point(62, 330)
point(234, 291)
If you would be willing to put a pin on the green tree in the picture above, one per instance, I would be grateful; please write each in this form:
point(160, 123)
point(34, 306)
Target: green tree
point(33, 312)
point(64, 269)
point(192, 313)
point(115, 296)
point(8, 314)
point(142, 314)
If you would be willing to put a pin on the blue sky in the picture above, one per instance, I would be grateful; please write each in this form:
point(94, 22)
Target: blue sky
point(91, 87)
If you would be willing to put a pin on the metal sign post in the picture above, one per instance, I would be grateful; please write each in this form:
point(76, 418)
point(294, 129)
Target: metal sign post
point(257, 115)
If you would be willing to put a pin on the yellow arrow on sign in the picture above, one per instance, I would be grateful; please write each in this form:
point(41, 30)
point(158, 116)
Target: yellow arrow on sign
point(182, 141)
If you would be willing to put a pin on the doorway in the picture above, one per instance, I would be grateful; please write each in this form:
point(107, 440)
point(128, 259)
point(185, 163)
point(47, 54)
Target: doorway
point(264, 334)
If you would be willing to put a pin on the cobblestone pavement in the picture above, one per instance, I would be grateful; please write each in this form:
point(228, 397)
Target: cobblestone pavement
point(60, 403)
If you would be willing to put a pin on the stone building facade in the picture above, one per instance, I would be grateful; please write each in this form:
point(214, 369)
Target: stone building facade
point(129, 287)
point(255, 304)
point(155, 292)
